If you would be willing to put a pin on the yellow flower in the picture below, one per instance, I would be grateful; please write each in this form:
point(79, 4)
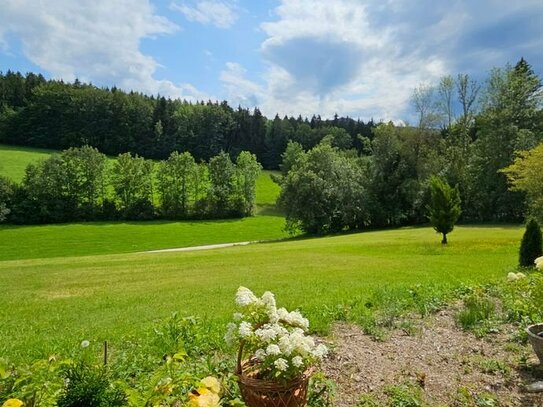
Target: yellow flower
point(204, 398)
point(212, 384)
point(12, 403)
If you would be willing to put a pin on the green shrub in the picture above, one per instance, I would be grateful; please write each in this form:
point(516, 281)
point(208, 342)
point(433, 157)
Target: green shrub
point(522, 300)
point(531, 245)
point(89, 386)
point(38, 384)
point(321, 391)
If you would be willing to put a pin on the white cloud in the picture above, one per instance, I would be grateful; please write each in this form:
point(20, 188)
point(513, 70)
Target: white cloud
point(326, 57)
point(221, 14)
point(94, 41)
point(364, 57)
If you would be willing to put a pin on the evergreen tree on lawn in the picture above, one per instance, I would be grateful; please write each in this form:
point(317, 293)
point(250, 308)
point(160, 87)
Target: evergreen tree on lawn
point(530, 247)
point(444, 208)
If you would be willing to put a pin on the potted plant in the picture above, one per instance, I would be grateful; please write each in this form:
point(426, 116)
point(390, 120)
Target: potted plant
point(275, 356)
point(535, 335)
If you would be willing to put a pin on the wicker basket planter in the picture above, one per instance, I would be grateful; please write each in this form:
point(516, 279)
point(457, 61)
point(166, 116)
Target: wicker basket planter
point(258, 392)
point(536, 340)
point(268, 393)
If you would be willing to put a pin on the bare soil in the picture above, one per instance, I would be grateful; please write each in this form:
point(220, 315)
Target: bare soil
point(448, 366)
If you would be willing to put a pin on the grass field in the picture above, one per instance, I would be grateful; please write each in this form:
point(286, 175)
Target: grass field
point(14, 159)
point(29, 242)
point(50, 305)
point(26, 242)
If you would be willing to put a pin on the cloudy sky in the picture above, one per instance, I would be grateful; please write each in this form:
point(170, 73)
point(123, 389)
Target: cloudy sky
point(352, 57)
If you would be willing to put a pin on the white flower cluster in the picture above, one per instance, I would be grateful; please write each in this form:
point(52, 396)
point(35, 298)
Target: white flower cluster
point(245, 297)
point(275, 337)
point(515, 276)
point(539, 263)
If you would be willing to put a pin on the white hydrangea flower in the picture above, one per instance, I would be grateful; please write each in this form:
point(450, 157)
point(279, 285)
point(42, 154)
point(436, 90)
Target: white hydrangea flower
point(320, 351)
point(245, 329)
point(273, 350)
point(286, 345)
point(266, 333)
point(295, 318)
point(512, 277)
point(279, 330)
point(520, 276)
point(281, 364)
point(268, 299)
point(245, 297)
point(238, 316)
point(260, 354)
point(282, 314)
point(297, 361)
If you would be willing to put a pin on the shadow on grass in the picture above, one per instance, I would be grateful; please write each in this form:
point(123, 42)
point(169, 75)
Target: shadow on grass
point(264, 212)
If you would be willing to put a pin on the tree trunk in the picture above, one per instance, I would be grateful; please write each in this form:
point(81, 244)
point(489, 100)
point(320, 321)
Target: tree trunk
point(444, 240)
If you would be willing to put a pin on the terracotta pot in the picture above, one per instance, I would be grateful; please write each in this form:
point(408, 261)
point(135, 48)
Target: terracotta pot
point(536, 340)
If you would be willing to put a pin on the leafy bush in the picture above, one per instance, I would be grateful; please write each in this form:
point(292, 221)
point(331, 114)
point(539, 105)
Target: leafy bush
point(38, 384)
point(321, 391)
point(180, 335)
point(531, 244)
point(522, 299)
point(90, 386)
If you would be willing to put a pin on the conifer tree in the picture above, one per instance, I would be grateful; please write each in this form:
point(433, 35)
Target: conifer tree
point(444, 208)
point(530, 246)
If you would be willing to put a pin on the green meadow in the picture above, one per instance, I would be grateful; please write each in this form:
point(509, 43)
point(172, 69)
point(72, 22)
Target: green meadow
point(91, 238)
point(65, 283)
point(50, 305)
point(14, 159)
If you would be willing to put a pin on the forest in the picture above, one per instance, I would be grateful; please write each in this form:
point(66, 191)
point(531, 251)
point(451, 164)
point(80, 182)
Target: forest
point(52, 114)
point(336, 174)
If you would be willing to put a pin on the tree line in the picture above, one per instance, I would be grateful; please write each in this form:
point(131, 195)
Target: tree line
point(478, 137)
point(483, 139)
point(57, 115)
point(83, 184)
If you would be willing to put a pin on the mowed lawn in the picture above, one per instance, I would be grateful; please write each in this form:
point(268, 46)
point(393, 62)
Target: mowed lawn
point(14, 160)
point(91, 238)
point(50, 305)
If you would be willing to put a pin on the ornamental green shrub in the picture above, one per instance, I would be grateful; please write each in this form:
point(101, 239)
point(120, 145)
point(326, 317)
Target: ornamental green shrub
point(90, 386)
point(530, 246)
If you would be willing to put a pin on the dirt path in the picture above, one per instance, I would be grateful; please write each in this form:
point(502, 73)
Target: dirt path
point(446, 366)
point(195, 248)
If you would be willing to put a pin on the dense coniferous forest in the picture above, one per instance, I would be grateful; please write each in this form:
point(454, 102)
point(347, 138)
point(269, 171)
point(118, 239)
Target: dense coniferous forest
point(336, 174)
point(52, 114)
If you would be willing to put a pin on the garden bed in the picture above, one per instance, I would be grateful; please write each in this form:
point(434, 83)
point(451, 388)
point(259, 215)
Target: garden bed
point(433, 363)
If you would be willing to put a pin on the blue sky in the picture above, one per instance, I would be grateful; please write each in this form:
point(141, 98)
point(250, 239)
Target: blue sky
point(360, 58)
